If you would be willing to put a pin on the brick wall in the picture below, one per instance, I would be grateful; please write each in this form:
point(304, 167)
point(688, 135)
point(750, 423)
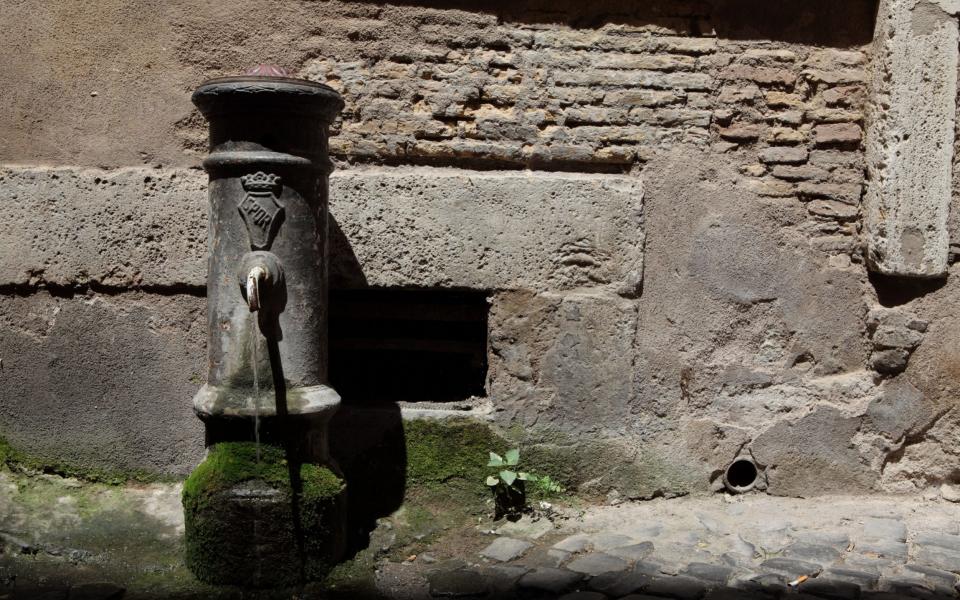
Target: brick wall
point(470, 90)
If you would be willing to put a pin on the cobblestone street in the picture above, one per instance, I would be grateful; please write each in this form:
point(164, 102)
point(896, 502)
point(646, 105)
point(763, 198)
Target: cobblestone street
point(699, 547)
point(717, 547)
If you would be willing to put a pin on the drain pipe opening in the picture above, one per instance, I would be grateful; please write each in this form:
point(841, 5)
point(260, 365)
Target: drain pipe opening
point(741, 476)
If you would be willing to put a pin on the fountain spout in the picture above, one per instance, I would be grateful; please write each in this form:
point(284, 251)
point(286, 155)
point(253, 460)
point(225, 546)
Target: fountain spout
point(254, 277)
point(261, 282)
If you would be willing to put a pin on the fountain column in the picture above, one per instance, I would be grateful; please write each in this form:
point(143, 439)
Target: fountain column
point(267, 506)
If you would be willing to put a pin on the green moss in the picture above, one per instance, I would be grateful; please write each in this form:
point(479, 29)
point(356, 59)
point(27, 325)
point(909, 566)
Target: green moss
point(230, 463)
point(18, 460)
point(319, 482)
point(303, 528)
point(235, 462)
point(438, 451)
point(354, 578)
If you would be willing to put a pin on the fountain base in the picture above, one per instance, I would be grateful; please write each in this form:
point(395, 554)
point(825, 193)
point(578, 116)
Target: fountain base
point(214, 401)
point(267, 523)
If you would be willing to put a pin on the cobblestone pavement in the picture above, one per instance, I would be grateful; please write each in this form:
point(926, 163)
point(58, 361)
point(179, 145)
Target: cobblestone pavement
point(715, 548)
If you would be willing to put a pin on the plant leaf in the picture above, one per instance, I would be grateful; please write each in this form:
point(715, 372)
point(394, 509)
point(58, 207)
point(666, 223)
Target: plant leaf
point(495, 460)
point(523, 476)
point(508, 477)
point(492, 480)
point(513, 457)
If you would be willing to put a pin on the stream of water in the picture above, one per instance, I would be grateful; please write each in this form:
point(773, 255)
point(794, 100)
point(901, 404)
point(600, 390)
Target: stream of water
point(256, 383)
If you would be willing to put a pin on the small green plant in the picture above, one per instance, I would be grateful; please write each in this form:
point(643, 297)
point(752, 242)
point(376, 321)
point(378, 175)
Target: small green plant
point(547, 486)
point(509, 484)
point(509, 494)
point(506, 477)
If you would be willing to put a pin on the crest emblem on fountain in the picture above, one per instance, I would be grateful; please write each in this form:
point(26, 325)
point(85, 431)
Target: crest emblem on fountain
point(259, 208)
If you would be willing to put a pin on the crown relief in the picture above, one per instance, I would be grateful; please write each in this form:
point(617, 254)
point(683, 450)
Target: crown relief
point(260, 181)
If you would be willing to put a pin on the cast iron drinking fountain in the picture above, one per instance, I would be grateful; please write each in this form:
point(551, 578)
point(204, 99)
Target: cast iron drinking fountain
point(267, 506)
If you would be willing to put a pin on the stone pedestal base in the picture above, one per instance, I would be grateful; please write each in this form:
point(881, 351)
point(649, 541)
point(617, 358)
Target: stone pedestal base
point(262, 524)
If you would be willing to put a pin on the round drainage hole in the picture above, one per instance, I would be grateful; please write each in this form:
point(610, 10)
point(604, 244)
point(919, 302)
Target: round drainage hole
point(742, 474)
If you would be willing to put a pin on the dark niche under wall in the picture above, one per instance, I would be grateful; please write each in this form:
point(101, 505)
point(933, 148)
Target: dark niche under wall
point(390, 345)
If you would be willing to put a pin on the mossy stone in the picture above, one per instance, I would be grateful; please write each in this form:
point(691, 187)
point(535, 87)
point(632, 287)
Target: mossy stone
point(18, 460)
point(261, 523)
point(438, 451)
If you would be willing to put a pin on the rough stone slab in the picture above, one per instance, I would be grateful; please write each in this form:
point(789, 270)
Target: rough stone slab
point(884, 529)
point(708, 572)
point(391, 227)
point(825, 588)
point(884, 549)
point(867, 564)
point(944, 578)
point(526, 528)
point(605, 541)
point(573, 352)
point(505, 549)
point(461, 583)
point(127, 227)
point(597, 563)
point(436, 227)
point(644, 567)
point(910, 138)
point(615, 585)
point(790, 567)
point(940, 558)
point(549, 580)
point(502, 579)
point(633, 551)
point(577, 542)
point(822, 435)
point(862, 578)
point(812, 552)
point(104, 381)
point(558, 557)
point(935, 538)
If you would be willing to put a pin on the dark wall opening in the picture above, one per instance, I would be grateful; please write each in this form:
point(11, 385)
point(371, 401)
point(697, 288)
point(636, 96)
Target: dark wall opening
point(833, 23)
point(408, 345)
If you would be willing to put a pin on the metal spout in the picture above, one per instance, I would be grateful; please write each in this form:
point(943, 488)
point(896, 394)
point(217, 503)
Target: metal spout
point(254, 277)
point(261, 282)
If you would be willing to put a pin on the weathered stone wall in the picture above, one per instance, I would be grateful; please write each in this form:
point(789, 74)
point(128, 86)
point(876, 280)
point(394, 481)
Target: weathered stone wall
point(662, 200)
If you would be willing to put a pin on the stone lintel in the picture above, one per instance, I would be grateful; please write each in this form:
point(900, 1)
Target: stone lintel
point(411, 227)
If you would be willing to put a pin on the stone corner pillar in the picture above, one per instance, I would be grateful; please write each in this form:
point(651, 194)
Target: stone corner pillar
point(910, 137)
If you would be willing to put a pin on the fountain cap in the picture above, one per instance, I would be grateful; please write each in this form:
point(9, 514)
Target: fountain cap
point(267, 89)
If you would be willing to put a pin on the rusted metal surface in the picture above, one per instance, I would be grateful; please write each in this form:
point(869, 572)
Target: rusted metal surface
point(268, 168)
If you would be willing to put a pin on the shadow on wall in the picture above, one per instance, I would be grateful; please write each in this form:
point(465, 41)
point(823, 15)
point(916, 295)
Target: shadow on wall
point(388, 346)
point(391, 345)
point(815, 22)
point(369, 445)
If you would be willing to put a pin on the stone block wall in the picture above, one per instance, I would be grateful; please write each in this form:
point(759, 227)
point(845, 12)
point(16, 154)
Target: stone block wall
point(662, 201)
